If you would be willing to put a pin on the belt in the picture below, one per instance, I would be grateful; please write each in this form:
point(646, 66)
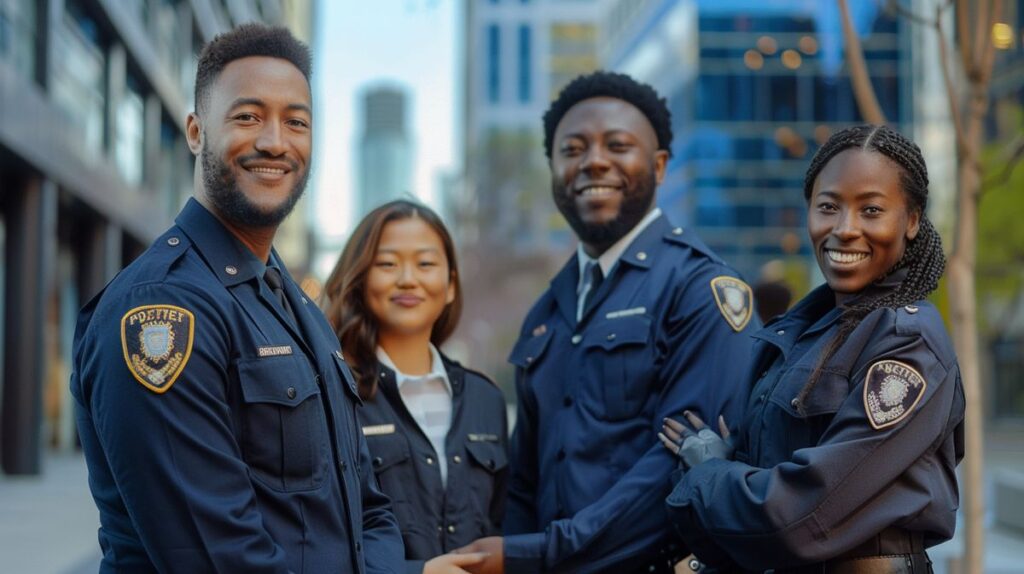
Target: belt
point(665, 562)
point(891, 551)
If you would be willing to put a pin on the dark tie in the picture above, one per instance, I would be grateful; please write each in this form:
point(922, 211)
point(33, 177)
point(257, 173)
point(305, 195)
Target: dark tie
point(273, 279)
point(592, 280)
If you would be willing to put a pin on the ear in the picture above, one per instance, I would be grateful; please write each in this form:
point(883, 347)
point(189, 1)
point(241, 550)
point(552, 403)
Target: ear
point(913, 225)
point(660, 163)
point(450, 295)
point(194, 133)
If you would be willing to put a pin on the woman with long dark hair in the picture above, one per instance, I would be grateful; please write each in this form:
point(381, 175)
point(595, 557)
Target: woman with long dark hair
point(437, 431)
point(845, 460)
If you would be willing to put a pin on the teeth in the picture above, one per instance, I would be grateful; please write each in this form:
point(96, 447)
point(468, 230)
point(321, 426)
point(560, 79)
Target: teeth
point(269, 170)
point(597, 191)
point(840, 257)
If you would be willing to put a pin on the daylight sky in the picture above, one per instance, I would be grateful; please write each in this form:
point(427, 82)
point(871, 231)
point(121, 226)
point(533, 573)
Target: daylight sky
point(410, 43)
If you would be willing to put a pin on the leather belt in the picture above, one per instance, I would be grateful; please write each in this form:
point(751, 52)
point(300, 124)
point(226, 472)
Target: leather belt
point(896, 564)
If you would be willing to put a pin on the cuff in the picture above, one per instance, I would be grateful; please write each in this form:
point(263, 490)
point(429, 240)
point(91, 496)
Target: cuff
point(524, 553)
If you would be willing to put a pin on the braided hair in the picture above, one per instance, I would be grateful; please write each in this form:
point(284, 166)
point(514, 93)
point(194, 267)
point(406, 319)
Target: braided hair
point(923, 257)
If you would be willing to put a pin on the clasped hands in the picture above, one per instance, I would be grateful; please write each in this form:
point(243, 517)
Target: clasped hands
point(697, 445)
point(482, 556)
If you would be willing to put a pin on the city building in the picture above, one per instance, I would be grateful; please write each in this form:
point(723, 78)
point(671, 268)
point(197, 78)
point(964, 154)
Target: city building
point(93, 167)
point(385, 148)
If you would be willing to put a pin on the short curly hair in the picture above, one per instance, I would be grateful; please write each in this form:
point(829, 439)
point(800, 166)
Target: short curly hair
point(613, 85)
point(245, 41)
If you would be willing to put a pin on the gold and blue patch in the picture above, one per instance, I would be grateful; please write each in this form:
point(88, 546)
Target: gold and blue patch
point(157, 343)
point(891, 391)
point(735, 300)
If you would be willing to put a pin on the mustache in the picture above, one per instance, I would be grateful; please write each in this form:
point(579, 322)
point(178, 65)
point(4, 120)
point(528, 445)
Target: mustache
point(261, 155)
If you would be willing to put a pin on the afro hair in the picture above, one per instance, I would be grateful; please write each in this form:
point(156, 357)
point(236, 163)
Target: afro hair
point(613, 85)
point(245, 41)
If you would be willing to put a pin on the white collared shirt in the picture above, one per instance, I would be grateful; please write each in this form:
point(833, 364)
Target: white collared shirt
point(429, 400)
point(610, 257)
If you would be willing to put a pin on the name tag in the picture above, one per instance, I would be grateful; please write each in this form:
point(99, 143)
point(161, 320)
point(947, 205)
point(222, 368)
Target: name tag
point(626, 312)
point(374, 430)
point(482, 437)
point(274, 351)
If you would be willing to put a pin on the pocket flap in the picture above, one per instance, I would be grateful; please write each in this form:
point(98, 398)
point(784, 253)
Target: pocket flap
point(347, 379)
point(613, 333)
point(826, 397)
point(387, 450)
point(490, 455)
point(530, 348)
point(285, 380)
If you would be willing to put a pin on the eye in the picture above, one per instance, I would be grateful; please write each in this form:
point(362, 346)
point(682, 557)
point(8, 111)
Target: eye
point(383, 264)
point(571, 149)
point(298, 122)
point(245, 117)
point(827, 207)
point(619, 146)
point(873, 210)
point(426, 263)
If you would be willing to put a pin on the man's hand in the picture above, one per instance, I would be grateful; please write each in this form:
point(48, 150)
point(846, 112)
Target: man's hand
point(494, 549)
point(694, 448)
point(453, 563)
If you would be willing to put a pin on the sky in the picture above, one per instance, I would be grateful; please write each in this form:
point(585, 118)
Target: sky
point(410, 43)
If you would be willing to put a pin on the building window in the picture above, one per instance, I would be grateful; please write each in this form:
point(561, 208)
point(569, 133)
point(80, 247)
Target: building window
point(493, 63)
point(525, 64)
point(77, 80)
point(18, 35)
point(129, 130)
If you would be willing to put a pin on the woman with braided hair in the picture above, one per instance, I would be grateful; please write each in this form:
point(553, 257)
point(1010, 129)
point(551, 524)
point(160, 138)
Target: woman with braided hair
point(845, 460)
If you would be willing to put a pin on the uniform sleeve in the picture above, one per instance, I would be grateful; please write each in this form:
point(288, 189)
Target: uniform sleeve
point(823, 500)
point(173, 455)
point(521, 501)
point(704, 360)
point(382, 540)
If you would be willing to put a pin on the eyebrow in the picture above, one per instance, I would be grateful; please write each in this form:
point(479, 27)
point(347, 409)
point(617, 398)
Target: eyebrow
point(423, 250)
point(861, 195)
point(240, 102)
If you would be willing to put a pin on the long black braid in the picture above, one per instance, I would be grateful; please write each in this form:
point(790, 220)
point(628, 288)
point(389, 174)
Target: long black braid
point(923, 258)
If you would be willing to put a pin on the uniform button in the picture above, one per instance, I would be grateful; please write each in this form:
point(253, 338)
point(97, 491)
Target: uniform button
point(231, 270)
point(760, 399)
point(611, 336)
point(651, 568)
point(343, 466)
point(490, 464)
point(451, 529)
point(576, 339)
point(291, 392)
point(383, 374)
point(339, 355)
point(567, 401)
point(694, 564)
point(172, 241)
point(642, 256)
point(440, 528)
point(377, 461)
point(677, 231)
point(456, 459)
point(911, 309)
point(529, 360)
point(561, 454)
point(430, 460)
point(304, 300)
point(764, 374)
point(780, 332)
point(795, 403)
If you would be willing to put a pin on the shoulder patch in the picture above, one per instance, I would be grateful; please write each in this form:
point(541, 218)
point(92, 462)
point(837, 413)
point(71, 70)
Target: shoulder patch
point(891, 391)
point(735, 300)
point(157, 343)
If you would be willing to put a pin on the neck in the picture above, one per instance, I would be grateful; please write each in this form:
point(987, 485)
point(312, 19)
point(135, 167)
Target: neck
point(409, 352)
point(257, 239)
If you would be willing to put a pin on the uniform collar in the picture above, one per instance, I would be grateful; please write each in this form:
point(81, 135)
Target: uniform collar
point(437, 369)
point(610, 257)
point(231, 261)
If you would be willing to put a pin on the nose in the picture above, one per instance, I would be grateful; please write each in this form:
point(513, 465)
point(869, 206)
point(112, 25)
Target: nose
point(270, 139)
point(406, 276)
point(595, 160)
point(847, 227)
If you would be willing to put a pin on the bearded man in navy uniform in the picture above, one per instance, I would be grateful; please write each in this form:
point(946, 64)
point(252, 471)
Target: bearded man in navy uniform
point(644, 322)
point(215, 409)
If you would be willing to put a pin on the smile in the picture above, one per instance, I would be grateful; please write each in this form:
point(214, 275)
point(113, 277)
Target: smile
point(841, 257)
point(406, 300)
point(267, 170)
point(598, 191)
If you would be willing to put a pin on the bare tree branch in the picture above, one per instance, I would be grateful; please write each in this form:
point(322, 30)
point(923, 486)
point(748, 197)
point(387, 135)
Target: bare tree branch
point(947, 79)
point(989, 46)
point(982, 36)
point(963, 10)
point(863, 92)
point(1011, 157)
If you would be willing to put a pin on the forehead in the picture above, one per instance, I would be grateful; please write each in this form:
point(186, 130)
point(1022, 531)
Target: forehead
point(261, 77)
point(411, 232)
point(857, 168)
point(604, 114)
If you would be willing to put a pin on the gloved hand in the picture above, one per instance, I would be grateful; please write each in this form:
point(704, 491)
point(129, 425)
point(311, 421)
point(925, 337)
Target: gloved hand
point(692, 447)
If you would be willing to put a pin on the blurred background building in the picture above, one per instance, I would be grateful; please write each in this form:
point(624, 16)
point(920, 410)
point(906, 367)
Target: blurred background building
point(385, 148)
point(93, 166)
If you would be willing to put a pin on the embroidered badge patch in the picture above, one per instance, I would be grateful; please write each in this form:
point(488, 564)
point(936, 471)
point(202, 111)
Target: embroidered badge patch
point(157, 343)
point(735, 300)
point(891, 391)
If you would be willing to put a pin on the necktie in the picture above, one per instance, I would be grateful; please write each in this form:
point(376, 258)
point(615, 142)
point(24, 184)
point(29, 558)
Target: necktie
point(273, 279)
point(592, 278)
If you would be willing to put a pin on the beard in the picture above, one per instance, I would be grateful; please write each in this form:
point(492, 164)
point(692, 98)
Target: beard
point(636, 202)
point(233, 205)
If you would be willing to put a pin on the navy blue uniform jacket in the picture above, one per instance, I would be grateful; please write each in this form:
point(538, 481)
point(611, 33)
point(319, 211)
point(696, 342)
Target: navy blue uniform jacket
point(588, 477)
point(251, 459)
point(436, 519)
point(810, 484)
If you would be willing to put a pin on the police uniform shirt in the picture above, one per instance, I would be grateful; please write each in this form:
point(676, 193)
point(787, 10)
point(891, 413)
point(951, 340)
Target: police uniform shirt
point(219, 435)
point(664, 332)
point(874, 445)
point(429, 400)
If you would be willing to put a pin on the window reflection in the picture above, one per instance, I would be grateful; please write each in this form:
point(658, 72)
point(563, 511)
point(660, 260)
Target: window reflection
point(77, 78)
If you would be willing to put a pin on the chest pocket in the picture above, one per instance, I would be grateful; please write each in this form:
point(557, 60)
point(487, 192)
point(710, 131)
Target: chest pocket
point(819, 407)
point(284, 434)
point(389, 454)
point(529, 350)
point(618, 350)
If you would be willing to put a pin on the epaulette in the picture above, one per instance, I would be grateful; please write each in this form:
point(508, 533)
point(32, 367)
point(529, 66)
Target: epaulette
point(685, 237)
point(908, 320)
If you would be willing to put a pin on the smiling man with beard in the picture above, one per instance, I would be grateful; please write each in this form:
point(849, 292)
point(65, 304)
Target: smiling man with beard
point(216, 412)
point(643, 323)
